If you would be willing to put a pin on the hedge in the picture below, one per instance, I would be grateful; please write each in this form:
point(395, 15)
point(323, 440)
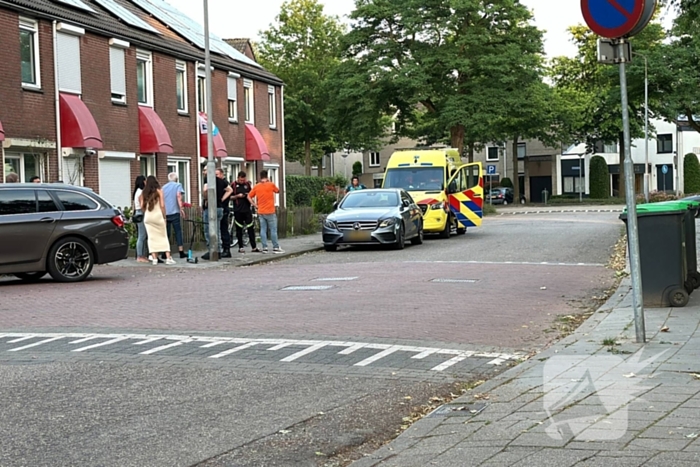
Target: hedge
point(302, 189)
point(691, 174)
point(599, 178)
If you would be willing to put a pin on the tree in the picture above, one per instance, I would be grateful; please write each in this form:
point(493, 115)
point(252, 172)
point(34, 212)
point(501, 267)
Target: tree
point(357, 169)
point(595, 93)
point(691, 174)
point(599, 178)
point(438, 67)
point(302, 48)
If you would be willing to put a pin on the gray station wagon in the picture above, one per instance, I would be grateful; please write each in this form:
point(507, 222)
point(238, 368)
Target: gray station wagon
point(60, 229)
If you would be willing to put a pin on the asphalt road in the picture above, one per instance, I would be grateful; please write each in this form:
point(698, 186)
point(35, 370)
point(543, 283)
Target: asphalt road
point(289, 363)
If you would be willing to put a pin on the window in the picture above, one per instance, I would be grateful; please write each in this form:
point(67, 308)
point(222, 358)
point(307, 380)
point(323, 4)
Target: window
point(148, 165)
point(29, 56)
point(610, 148)
point(374, 160)
point(24, 165)
point(181, 86)
point(231, 170)
point(182, 169)
point(573, 184)
point(273, 175)
point(17, 202)
point(117, 73)
point(522, 150)
point(232, 98)
point(144, 77)
point(45, 202)
point(664, 144)
point(492, 153)
point(75, 201)
point(249, 102)
point(68, 52)
point(201, 91)
point(272, 106)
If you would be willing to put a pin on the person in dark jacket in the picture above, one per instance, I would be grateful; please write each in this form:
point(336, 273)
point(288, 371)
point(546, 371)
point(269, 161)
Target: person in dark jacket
point(243, 211)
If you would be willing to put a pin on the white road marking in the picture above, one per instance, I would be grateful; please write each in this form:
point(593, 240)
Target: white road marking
point(101, 344)
point(307, 287)
point(517, 263)
point(378, 356)
point(310, 346)
point(234, 350)
point(50, 339)
point(166, 346)
point(333, 279)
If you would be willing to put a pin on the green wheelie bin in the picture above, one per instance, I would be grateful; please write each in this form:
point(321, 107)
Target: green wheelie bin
point(690, 240)
point(663, 256)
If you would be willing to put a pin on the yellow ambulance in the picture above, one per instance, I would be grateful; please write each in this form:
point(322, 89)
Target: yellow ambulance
point(450, 194)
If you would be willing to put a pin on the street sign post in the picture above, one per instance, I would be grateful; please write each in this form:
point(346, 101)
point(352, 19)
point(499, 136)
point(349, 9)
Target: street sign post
point(664, 169)
point(618, 20)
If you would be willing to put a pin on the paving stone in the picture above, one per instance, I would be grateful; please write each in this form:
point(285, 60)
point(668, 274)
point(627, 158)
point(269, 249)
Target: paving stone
point(553, 458)
point(678, 422)
point(608, 462)
point(465, 457)
point(651, 444)
point(539, 440)
point(509, 456)
point(405, 460)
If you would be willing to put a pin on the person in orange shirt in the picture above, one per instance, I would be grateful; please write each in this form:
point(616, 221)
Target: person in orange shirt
point(262, 196)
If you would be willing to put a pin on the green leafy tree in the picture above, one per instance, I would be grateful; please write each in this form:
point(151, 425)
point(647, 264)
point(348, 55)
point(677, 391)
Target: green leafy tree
point(599, 178)
point(438, 67)
point(302, 47)
point(691, 174)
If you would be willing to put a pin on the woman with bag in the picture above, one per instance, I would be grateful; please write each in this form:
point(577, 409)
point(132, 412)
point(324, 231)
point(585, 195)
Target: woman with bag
point(152, 203)
point(137, 219)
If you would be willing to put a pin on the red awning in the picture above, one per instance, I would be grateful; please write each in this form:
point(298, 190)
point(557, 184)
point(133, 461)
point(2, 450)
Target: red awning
point(2, 133)
point(255, 146)
point(153, 135)
point(78, 127)
point(219, 145)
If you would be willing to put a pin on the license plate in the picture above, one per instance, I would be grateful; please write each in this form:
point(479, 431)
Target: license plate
point(357, 236)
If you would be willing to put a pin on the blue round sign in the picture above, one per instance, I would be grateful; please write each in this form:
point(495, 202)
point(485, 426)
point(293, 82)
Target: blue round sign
point(664, 169)
point(614, 18)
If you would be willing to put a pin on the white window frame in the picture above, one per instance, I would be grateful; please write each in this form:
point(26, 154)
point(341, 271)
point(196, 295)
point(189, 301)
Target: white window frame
point(248, 95)
point(117, 48)
point(201, 90)
point(32, 26)
point(272, 106)
point(22, 168)
point(491, 159)
point(273, 174)
point(524, 146)
point(145, 57)
point(232, 85)
point(181, 71)
point(231, 167)
point(176, 164)
point(150, 162)
point(376, 163)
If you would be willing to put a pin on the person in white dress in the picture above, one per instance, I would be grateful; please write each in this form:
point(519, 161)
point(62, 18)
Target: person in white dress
point(152, 203)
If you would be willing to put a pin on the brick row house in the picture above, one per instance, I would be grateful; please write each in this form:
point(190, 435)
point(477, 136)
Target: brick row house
point(95, 92)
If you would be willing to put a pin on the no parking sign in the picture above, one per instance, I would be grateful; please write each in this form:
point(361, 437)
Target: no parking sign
point(617, 18)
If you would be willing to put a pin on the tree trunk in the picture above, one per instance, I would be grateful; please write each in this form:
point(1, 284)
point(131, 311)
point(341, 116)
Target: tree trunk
point(470, 156)
point(622, 193)
point(320, 167)
point(457, 138)
point(307, 157)
point(516, 178)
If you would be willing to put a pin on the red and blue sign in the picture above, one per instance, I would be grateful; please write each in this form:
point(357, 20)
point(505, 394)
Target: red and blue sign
point(617, 18)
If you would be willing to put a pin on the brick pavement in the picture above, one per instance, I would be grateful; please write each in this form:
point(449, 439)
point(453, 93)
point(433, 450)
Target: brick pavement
point(579, 403)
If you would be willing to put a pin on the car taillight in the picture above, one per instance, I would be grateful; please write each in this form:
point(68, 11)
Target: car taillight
point(500, 196)
point(118, 221)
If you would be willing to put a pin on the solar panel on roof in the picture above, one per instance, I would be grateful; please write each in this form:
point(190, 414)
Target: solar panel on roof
point(189, 29)
point(77, 4)
point(125, 15)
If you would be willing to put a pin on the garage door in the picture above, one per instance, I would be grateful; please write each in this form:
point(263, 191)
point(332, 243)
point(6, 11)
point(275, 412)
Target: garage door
point(115, 181)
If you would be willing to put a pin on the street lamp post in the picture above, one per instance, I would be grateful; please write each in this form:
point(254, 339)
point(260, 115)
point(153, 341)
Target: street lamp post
point(211, 167)
point(580, 178)
point(647, 173)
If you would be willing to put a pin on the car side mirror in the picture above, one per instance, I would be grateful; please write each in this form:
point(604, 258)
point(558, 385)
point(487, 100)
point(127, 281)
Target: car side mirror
point(406, 203)
point(335, 205)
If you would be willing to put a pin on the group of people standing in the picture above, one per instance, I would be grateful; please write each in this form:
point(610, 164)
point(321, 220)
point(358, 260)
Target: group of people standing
point(158, 211)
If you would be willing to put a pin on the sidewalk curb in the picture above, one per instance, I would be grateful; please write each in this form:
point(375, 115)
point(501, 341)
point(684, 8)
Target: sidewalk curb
point(555, 211)
point(272, 257)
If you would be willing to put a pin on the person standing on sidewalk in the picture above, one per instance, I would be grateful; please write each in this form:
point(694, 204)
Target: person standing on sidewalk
point(223, 191)
point(223, 224)
point(174, 211)
point(243, 211)
point(264, 194)
point(139, 185)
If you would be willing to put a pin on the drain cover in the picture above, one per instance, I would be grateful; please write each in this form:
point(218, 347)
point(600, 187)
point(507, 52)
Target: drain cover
point(308, 287)
point(458, 410)
point(335, 279)
point(456, 281)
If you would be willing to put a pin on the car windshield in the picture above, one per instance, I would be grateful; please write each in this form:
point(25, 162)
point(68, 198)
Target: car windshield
point(370, 199)
point(495, 191)
point(415, 178)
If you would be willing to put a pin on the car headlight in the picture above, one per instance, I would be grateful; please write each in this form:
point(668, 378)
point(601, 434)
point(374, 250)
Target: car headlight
point(330, 224)
point(387, 222)
point(436, 206)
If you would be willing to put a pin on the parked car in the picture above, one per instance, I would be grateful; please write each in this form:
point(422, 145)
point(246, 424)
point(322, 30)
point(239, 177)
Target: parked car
point(58, 229)
point(501, 195)
point(384, 216)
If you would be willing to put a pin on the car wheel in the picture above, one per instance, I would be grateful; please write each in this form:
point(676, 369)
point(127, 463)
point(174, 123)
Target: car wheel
point(400, 238)
point(447, 231)
point(505, 202)
point(461, 230)
point(70, 260)
point(330, 247)
point(418, 239)
point(30, 276)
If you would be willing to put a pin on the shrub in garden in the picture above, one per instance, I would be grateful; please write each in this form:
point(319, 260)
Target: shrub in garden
point(506, 182)
point(599, 178)
point(691, 174)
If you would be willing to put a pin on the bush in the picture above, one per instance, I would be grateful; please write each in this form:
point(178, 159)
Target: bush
point(323, 202)
point(302, 188)
point(489, 209)
point(599, 178)
point(506, 182)
point(691, 174)
point(301, 197)
point(357, 169)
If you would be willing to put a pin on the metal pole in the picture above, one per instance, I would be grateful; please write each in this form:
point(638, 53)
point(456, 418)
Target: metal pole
point(211, 167)
point(580, 181)
point(632, 232)
point(647, 173)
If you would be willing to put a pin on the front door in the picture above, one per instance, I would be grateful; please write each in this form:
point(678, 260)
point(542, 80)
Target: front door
point(465, 192)
point(664, 181)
